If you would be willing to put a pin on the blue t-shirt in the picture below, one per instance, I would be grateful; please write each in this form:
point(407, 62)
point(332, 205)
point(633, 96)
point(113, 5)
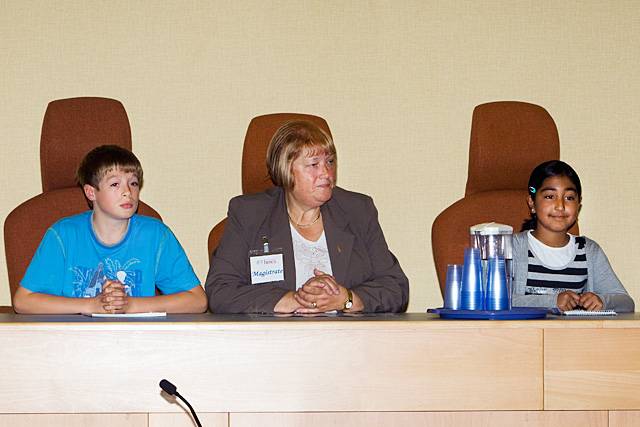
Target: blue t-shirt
point(72, 262)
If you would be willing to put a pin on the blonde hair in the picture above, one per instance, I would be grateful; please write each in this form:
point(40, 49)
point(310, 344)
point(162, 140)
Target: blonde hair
point(288, 143)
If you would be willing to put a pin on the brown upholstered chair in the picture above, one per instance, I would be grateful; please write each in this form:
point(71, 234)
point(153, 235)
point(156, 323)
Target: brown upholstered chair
point(508, 140)
point(71, 128)
point(255, 177)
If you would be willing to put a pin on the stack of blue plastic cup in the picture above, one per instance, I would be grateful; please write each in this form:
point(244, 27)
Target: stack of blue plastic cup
point(453, 286)
point(497, 291)
point(471, 295)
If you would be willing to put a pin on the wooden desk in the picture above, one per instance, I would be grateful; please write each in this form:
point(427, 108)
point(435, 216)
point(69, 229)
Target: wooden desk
point(411, 369)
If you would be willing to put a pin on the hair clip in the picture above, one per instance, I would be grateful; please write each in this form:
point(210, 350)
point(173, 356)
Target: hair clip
point(532, 190)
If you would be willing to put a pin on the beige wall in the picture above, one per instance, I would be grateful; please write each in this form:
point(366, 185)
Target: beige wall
point(396, 81)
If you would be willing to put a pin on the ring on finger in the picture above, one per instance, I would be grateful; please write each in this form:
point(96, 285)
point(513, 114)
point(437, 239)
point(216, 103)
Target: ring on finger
point(314, 305)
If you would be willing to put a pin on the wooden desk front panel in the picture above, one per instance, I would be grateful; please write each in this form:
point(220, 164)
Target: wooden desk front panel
point(322, 419)
point(587, 369)
point(430, 419)
point(361, 366)
point(180, 419)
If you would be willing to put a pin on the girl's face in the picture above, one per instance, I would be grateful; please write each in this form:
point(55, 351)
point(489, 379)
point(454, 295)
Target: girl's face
point(556, 205)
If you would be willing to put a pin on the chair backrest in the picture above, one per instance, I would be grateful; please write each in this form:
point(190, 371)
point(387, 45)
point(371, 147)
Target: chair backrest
point(64, 142)
point(215, 235)
point(508, 139)
point(255, 177)
point(73, 127)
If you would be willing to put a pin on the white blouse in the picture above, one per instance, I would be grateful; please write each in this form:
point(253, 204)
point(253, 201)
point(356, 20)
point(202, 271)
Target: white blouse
point(309, 255)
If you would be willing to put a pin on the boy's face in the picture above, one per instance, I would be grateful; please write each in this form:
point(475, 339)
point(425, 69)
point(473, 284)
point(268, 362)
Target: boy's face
point(117, 195)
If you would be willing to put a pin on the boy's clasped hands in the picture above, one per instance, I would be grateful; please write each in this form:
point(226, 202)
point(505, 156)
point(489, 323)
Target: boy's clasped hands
point(569, 300)
point(113, 298)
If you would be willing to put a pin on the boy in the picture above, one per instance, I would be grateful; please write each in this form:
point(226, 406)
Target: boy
point(109, 260)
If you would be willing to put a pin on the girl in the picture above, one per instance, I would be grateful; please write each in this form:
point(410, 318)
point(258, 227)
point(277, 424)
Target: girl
point(553, 268)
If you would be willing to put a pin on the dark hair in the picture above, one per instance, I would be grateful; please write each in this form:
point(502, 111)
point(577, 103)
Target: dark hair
point(99, 161)
point(540, 173)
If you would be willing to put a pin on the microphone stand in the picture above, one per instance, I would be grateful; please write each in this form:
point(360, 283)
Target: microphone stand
point(172, 390)
point(195, 417)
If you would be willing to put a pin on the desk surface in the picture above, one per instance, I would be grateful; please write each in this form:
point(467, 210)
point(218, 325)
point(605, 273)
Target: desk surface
point(357, 321)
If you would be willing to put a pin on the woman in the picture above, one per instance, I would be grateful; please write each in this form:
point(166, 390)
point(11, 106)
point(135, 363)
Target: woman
point(304, 246)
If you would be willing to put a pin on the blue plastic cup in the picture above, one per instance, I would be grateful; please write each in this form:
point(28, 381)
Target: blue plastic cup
point(453, 286)
point(471, 295)
point(497, 297)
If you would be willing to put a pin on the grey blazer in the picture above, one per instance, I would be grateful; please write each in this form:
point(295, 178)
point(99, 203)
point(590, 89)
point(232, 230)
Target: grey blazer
point(360, 258)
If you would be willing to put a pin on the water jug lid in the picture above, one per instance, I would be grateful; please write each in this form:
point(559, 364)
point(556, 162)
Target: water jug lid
point(490, 228)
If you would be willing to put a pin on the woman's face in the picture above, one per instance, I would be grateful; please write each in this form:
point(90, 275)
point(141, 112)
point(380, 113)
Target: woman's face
point(314, 176)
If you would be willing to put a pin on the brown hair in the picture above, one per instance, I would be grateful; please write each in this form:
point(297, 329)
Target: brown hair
point(99, 161)
point(288, 143)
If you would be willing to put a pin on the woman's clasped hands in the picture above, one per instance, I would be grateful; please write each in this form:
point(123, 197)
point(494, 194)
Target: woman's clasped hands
point(320, 293)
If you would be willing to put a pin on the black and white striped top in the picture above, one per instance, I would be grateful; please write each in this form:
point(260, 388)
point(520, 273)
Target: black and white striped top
point(542, 280)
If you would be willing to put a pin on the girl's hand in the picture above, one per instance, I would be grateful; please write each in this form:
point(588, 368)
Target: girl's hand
point(568, 300)
point(590, 301)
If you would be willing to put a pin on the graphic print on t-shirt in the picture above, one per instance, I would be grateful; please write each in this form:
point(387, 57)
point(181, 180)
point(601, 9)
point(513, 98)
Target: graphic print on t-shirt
point(112, 269)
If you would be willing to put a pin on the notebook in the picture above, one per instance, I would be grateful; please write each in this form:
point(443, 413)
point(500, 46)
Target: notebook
point(590, 313)
point(149, 314)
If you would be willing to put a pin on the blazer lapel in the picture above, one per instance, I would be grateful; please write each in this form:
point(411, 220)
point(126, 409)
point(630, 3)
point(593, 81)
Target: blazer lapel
point(339, 240)
point(280, 238)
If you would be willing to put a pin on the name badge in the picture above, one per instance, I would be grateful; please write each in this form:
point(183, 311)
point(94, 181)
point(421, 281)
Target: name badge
point(266, 268)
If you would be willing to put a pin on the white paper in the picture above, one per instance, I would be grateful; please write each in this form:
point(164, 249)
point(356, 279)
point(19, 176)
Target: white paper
point(148, 314)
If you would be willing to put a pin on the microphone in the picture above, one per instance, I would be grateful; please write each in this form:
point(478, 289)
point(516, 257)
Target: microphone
point(172, 390)
point(168, 387)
